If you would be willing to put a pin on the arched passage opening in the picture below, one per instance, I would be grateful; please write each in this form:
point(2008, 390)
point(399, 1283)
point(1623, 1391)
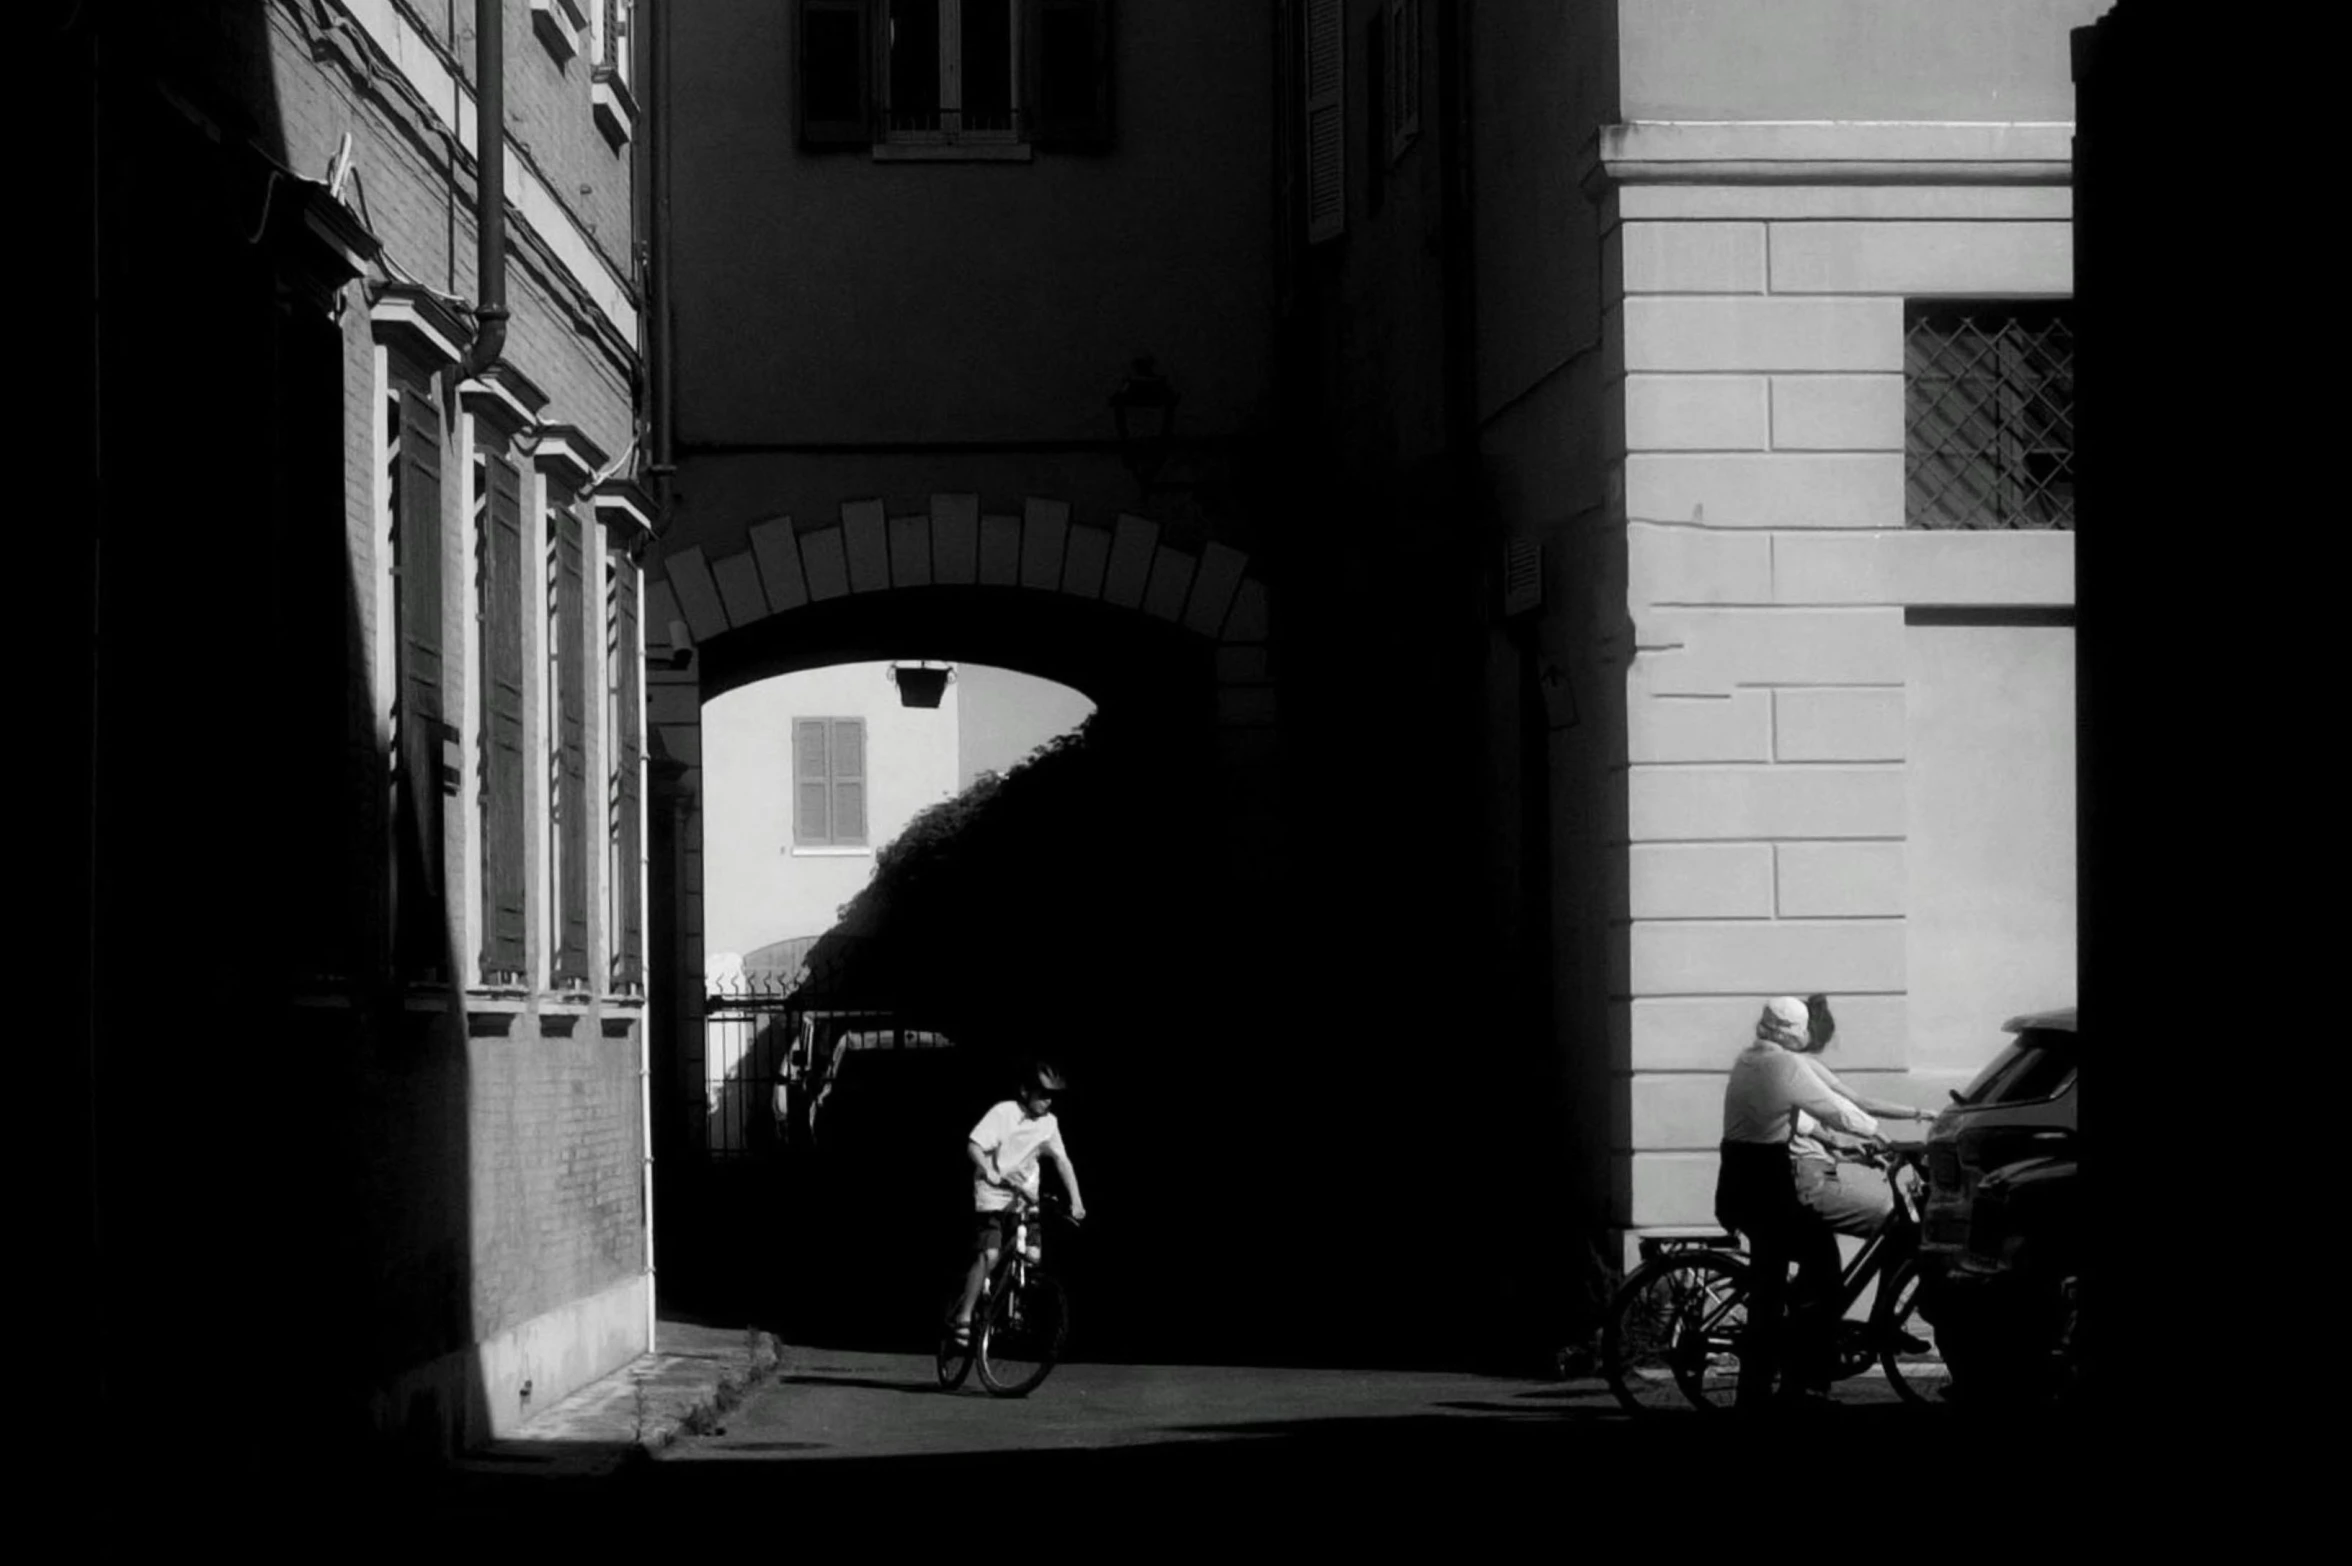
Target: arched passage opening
point(1100, 915)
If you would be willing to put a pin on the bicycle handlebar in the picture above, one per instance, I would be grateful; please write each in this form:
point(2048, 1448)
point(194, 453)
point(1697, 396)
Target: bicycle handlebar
point(1059, 1206)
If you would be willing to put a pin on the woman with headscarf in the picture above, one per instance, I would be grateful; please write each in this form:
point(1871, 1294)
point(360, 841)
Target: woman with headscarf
point(1820, 1028)
point(1779, 1186)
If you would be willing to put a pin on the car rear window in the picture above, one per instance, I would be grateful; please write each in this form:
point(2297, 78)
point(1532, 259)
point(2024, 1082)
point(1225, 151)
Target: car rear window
point(2035, 1066)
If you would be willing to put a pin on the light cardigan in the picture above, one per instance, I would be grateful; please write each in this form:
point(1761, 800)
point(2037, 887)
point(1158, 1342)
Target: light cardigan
point(1775, 1098)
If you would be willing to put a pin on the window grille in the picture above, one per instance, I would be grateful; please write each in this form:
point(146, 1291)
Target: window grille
point(1989, 418)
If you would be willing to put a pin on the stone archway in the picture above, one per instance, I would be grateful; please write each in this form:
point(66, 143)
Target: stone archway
point(1042, 562)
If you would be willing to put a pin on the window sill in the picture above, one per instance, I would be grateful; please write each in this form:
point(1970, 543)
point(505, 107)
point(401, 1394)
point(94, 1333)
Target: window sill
point(558, 24)
point(953, 152)
point(615, 107)
point(828, 853)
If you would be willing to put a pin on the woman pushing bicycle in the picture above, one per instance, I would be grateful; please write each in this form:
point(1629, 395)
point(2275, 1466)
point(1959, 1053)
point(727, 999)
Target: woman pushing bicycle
point(1004, 1149)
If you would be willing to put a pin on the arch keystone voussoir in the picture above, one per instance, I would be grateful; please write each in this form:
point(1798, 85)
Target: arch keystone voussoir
point(864, 533)
point(1045, 529)
point(1247, 621)
point(1000, 551)
point(1222, 568)
point(955, 539)
point(777, 549)
point(1129, 571)
point(1171, 578)
point(698, 596)
point(738, 580)
point(826, 560)
point(910, 550)
point(1086, 555)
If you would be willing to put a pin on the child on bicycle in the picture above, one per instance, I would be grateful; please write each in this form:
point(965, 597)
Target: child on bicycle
point(1004, 1149)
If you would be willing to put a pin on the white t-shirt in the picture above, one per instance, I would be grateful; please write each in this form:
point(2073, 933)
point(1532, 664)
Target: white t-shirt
point(1014, 1141)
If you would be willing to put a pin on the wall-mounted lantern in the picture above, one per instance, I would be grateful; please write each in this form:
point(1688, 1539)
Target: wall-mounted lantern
point(1144, 406)
point(919, 684)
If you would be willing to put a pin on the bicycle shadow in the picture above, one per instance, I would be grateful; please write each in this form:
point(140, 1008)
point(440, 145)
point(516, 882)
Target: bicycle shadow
point(867, 1383)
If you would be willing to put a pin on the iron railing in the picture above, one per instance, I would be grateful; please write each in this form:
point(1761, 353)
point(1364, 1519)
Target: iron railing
point(1989, 418)
point(953, 126)
point(774, 1045)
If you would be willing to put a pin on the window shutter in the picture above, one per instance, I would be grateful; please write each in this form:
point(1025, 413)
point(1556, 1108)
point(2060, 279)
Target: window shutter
point(1326, 138)
point(504, 770)
point(849, 780)
point(417, 888)
point(629, 958)
point(835, 91)
point(1067, 74)
point(571, 962)
point(420, 562)
point(1404, 75)
point(812, 792)
point(1377, 127)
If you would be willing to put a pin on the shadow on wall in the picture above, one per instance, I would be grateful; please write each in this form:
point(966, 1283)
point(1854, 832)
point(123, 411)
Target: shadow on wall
point(1057, 910)
point(281, 1128)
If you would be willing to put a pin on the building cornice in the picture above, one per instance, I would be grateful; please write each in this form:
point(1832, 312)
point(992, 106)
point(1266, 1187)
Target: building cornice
point(505, 396)
point(1827, 152)
point(420, 323)
point(625, 510)
point(564, 452)
point(322, 239)
point(433, 83)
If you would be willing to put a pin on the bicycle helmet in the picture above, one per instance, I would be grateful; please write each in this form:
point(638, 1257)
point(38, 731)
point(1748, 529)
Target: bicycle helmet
point(1043, 1077)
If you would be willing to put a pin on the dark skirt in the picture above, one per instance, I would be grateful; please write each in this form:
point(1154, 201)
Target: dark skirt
point(1755, 1190)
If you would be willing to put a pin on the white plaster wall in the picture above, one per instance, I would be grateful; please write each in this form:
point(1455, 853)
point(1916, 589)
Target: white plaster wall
point(1006, 714)
point(1990, 835)
point(757, 887)
point(1823, 792)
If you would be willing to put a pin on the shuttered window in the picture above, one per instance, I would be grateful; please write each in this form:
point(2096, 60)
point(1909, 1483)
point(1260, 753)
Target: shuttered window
point(414, 437)
point(568, 759)
point(954, 71)
point(628, 707)
point(1326, 119)
point(829, 782)
point(1067, 55)
point(835, 58)
point(504, 770)
point(1401, 78)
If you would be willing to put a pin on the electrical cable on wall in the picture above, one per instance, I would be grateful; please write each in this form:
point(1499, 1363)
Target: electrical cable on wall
point(268, 193)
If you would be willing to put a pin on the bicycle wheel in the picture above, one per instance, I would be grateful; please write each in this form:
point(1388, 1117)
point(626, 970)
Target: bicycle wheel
point(1674, 1332)
point(1021, 1338)
point(1916, 1373)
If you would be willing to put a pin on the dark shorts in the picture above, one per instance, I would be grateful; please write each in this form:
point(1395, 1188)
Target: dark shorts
point(992, 1231)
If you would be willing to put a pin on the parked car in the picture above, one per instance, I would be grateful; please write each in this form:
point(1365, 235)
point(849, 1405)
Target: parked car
point(2001, 1253)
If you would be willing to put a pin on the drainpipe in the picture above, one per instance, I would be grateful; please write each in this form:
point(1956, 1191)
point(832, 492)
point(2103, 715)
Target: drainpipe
point(645, 1051)
point(663, 325)
point(652, 43)
point(489, 187)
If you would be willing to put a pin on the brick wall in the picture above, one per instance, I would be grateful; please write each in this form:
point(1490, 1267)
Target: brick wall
point(543, 1153)
point(1758, 405)
point(557, 1191)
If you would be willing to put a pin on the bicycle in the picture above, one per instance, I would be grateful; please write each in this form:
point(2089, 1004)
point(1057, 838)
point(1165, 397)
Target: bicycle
point(1678, 1323)
point(1021, 1321)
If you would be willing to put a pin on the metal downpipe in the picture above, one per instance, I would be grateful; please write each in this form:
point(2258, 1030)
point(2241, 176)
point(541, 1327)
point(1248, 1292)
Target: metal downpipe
point(490, 311)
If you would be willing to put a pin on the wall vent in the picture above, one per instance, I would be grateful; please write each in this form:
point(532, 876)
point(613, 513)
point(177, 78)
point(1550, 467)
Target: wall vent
point(1522, 577)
